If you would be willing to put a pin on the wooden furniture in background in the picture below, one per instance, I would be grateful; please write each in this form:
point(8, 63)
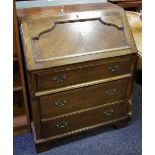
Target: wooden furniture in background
point(128, 4)
point(80, 63)
point(20, 104)
point(135, 22)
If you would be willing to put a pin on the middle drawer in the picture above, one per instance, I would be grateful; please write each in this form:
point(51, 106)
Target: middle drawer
point(73, 100)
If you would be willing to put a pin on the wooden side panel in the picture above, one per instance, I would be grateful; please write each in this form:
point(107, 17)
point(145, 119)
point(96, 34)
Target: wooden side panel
point(21, 115)
point(75, 37)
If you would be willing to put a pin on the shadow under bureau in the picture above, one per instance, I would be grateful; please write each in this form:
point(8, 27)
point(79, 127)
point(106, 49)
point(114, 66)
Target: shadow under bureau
point(80, 65)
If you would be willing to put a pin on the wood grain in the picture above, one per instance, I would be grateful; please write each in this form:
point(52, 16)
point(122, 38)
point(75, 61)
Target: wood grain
point(127, 3)
point(81, 85)
point(73, 37)
point(77, 99)
point(93, 70)
point(85, 119)
point(55, 10)
point(80, 68)
point(20, 107)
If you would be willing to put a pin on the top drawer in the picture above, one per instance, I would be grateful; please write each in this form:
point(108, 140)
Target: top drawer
point(84, 72)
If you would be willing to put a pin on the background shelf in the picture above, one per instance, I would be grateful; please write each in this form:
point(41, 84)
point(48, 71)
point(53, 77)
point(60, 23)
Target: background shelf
point(21, 122)
point(17, 85)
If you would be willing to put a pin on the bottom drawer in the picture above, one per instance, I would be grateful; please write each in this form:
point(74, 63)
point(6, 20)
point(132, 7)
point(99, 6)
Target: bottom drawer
point(81, 120)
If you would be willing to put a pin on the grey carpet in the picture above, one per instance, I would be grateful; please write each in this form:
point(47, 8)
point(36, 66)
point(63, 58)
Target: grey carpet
point(108, 141)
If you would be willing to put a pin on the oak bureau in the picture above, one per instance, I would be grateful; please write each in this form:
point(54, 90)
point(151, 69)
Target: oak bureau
point(80, 64)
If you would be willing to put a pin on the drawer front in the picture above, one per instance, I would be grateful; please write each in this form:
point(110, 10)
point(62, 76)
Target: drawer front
point(84, 73)
point(82, 98)
point(82, 120)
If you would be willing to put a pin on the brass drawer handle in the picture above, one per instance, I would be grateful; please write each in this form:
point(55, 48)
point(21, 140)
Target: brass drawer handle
point(111, 92)
point(113, 68)
point(59, 78)
point(61, 125)
point(60, 103)
point(109, 112)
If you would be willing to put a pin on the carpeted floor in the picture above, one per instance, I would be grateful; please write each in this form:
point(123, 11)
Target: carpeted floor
point(125, 141)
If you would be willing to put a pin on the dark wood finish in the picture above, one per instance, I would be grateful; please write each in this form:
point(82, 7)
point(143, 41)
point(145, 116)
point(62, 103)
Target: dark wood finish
point(77, 74)
point(18, 106)
point(17, 82)
point(20, 125)
point(121, 124)
point(60, 77)
point(78, 99)
point(48, 143)
point(127, 3)
point(93, 116)
point(21, 122)
point(17, 86)
point(15, 49)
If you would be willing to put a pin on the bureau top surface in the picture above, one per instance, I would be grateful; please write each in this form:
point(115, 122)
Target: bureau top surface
point(67, 38)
